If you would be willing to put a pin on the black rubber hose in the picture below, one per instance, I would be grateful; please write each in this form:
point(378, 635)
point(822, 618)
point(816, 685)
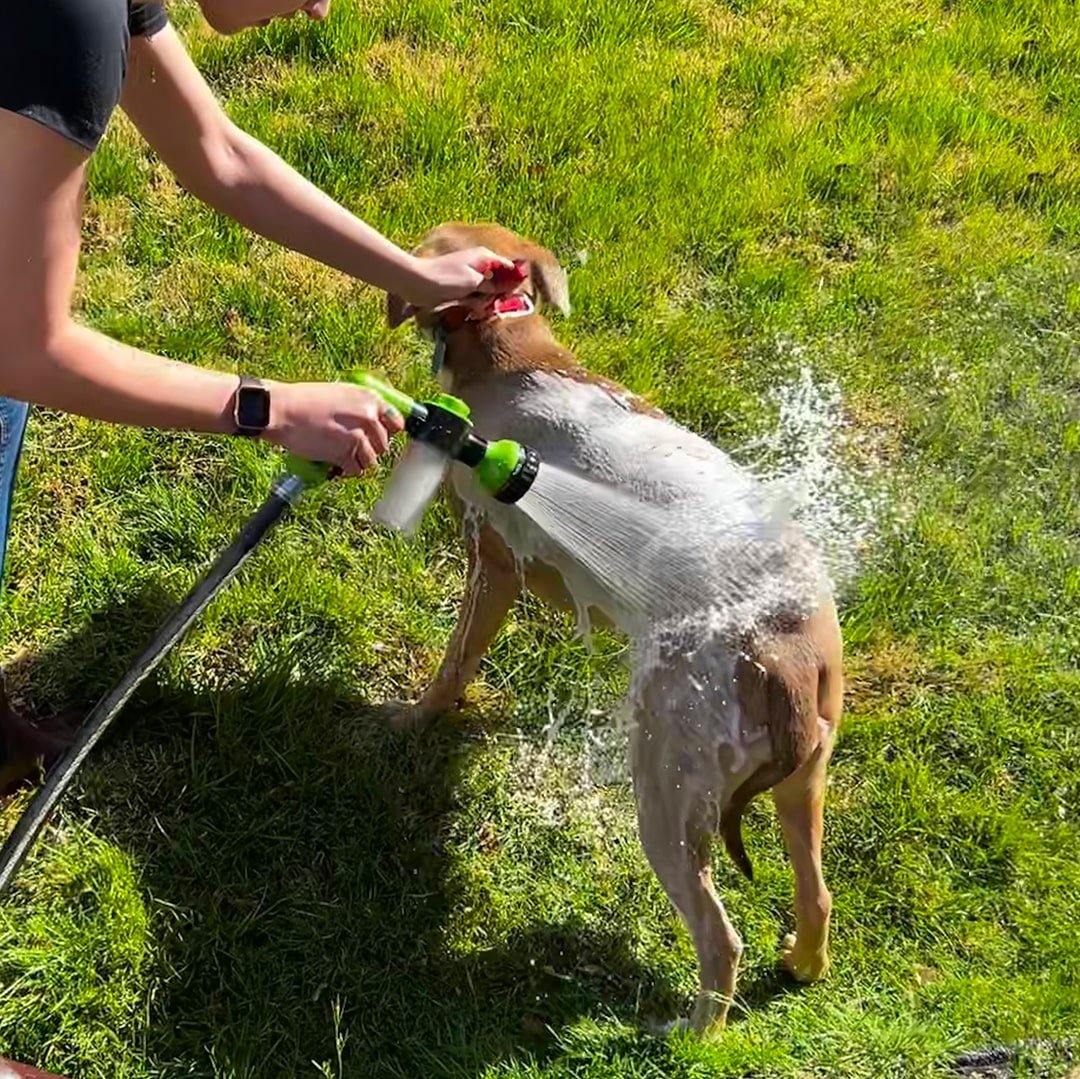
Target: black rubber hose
point(253, 532)
point(996, 1059)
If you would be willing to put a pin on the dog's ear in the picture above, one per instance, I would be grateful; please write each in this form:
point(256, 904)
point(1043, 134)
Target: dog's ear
point(550, 279)
point(397, 311)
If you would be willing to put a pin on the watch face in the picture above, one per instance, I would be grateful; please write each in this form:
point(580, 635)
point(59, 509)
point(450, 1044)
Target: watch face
point(253, 408)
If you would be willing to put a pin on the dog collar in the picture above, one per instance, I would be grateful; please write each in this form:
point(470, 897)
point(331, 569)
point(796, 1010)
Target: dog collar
point(516, 305)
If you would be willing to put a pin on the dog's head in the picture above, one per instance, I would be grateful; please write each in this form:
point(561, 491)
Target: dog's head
point(545, 280)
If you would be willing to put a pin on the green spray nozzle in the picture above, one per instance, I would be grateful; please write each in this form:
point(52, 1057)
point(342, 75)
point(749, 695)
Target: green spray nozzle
point(508, 469)
point(505, 469)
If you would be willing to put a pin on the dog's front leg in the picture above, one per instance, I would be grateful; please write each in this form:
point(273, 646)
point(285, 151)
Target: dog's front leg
point(493, 585)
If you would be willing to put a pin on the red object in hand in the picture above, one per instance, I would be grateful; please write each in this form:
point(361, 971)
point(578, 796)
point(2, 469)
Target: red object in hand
point(509, 276)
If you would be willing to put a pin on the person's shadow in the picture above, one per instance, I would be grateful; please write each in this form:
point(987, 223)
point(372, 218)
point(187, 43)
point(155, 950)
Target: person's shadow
point(294, 854)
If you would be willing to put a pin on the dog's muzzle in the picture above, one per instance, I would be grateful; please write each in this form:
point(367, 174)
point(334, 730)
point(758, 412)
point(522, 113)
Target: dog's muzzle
point(495, 309)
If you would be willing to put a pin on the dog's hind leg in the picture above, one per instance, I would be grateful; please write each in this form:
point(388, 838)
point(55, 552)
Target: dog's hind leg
point(493, 584)
point(799, 806)
point(800, 801)
point(675, 829)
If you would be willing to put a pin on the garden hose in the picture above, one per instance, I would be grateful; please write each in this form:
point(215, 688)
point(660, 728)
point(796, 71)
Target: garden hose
point(505, 469)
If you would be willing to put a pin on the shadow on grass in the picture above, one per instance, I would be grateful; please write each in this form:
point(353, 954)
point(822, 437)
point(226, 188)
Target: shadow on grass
point(755, 993)
point(300, 866)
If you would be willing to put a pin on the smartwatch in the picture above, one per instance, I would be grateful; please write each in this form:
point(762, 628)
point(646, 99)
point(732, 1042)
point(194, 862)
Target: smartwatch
point(251, 408)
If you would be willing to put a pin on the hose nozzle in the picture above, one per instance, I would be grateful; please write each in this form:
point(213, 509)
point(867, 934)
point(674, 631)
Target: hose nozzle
point(505, 469)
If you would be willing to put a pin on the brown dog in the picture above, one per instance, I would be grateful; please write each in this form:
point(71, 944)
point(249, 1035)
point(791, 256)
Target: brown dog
point(718, 716)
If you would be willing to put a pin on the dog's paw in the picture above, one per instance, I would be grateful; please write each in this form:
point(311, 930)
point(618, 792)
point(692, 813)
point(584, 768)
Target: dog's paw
point(805, 967)
point(709, 1018)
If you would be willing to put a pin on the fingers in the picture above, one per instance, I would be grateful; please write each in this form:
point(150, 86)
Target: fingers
point(512, 275)
point(392, 420)
point(484, 260)
point(497, 272)
point(376, 435)
point(363, 455)
point(381, 422)
point(370, 438)
point(357, 456)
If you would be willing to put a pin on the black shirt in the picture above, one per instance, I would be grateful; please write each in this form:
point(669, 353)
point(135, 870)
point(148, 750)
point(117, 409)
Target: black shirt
point(63, 62)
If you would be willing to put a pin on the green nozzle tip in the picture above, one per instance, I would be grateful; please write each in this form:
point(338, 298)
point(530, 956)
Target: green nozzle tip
point(499, 464)
point(507, 470)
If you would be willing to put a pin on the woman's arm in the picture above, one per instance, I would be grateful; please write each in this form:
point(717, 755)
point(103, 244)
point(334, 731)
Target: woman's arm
point(44, 357)
point(47, 359)
point(179, 116)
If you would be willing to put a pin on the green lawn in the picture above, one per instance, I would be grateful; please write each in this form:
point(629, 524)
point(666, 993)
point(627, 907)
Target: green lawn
point(255, 878)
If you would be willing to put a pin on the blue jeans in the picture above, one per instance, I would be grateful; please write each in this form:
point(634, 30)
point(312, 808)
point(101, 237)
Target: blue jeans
point(13, 415)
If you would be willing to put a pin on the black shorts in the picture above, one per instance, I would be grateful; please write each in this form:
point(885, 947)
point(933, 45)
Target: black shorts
point(63, 62)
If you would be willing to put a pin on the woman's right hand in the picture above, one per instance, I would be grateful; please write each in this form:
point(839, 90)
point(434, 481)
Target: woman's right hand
point(334, 423)
point(454, 276)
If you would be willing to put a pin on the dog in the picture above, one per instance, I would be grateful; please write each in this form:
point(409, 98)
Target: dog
point(718, 719)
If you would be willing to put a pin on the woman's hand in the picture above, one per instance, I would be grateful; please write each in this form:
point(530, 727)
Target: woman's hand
point(436, 281)
point(334, 423)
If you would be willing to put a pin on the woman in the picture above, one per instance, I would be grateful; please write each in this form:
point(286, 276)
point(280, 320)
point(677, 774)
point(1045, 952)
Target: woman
point(65, 65)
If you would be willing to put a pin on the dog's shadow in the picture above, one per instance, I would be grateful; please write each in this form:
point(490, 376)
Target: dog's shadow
point(297, 857)
point(758, 991)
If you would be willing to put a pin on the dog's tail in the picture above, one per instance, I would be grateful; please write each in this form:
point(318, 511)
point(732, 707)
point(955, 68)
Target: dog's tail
point(783, 689)
point(765, 778)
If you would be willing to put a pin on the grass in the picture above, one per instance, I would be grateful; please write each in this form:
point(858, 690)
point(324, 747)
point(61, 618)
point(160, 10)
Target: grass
point(255, 878)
